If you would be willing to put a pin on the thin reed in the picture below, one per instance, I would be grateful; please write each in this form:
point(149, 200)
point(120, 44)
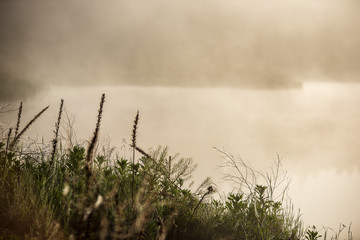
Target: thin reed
point(133, 145)
point(90, 151)
point(8, 140)
point(18, 119)
point(57, 126)
point(134, 130)
point(17, 137)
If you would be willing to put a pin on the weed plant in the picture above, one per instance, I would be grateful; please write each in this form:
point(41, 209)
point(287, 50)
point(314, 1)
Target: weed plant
point(77, 192)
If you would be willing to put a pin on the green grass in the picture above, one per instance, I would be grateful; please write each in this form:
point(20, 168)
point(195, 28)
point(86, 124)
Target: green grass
point(52, 192)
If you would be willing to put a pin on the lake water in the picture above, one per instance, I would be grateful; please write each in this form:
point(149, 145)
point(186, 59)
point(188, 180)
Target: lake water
point(316, 131)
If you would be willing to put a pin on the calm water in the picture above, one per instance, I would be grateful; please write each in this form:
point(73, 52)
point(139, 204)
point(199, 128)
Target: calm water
point(315, 130)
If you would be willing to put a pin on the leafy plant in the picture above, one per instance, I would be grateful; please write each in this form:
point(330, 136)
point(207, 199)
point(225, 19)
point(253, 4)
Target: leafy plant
point(312, 234)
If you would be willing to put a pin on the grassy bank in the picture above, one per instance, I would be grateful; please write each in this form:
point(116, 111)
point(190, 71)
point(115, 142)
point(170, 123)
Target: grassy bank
point(70, 190)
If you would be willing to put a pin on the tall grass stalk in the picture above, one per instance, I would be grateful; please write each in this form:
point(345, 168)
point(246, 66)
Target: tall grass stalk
point(17, 137)
point(18, 119)
point(90, 151)
point(133, 145)
point(55, 140)
point(8, 141)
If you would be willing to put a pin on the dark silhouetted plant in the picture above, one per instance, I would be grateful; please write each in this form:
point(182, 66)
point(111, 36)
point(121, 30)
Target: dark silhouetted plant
point(90, 150)
point(312, 234)
point(55, 140)
point(17, 137)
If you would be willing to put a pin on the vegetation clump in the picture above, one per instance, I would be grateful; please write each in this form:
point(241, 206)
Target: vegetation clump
point(83, 193)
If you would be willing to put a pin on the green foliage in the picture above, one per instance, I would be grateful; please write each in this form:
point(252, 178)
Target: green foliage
point(312, 234)
point(75, 160)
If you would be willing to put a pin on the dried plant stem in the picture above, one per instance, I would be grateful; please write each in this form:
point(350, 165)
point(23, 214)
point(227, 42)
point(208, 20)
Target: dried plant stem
point(55, 140)
point(209, 191)
point(18, 119)
point(17, 137)
point(134, 132)
point(142, 152)
point(8, 141)
point(93, 142)
point(133, 145)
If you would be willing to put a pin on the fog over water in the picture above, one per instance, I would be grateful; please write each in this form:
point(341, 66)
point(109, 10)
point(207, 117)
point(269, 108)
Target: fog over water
point(242, 43)
point(257, 78)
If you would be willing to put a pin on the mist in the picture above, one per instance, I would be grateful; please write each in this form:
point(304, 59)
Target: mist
point(166, 58)
point(252, 44)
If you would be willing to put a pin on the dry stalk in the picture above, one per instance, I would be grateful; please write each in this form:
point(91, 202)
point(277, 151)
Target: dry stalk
point(94, 139)
point(55, 140)
point(18, 119)
point(8, 141)
point(17, 137)
point(133, 145)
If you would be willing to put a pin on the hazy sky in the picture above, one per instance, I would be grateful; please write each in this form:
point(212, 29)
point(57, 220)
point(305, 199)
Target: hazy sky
point(185, 43)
